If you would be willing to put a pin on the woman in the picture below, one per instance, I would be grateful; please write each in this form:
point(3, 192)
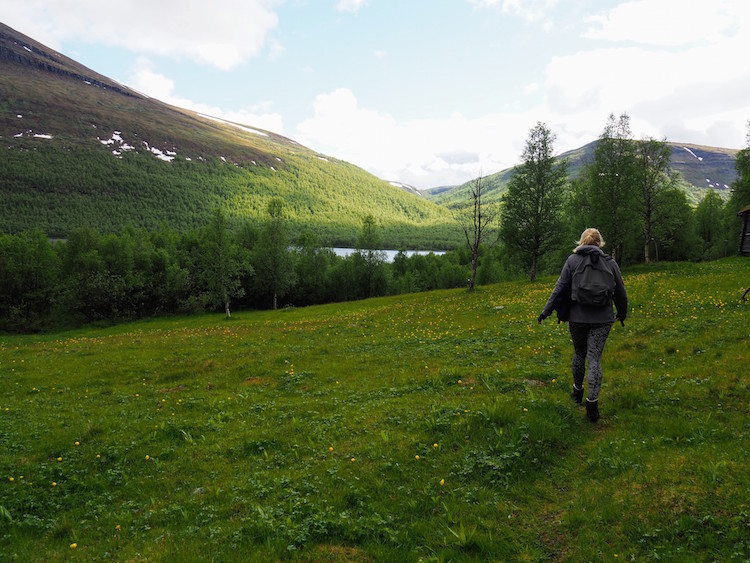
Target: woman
point(582, 297)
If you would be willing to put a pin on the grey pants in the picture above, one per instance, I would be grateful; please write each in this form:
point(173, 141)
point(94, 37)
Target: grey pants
point(588, 344)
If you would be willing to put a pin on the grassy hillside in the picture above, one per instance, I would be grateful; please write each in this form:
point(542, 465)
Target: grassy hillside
point(79, 148)
point(327, 198)
point(698, 170)
point(428, 427)
point(459, 197)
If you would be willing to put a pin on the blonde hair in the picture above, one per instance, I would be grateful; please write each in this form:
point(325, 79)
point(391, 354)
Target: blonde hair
point(590, 237)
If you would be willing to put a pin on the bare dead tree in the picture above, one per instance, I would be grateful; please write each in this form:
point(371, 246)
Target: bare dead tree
point(475, 227)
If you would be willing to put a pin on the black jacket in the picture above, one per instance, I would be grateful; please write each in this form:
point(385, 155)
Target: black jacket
point(568, 310)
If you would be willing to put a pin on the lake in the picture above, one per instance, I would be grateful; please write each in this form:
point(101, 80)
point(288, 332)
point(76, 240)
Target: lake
point(389, 254)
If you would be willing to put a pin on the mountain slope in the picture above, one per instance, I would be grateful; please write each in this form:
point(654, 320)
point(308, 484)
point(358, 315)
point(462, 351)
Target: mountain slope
point(698, 168)
point(81, 149)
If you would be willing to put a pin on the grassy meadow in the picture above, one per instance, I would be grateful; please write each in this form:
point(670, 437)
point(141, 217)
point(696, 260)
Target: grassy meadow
point(425, 427)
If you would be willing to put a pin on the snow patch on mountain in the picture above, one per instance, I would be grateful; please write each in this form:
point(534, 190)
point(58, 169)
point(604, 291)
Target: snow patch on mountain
point(407, 188)
point(716, 185)
point(161, 156)
point(692, 153)
point(118, 143)
point(158, 153)
point(32, 134)
point(242, 127)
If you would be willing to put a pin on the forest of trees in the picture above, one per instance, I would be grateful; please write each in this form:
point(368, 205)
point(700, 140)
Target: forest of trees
point(93, 276)
point(626, 191)
point(57, 191)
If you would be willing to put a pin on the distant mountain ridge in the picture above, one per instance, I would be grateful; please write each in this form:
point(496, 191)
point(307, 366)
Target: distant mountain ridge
point(715, 166)
point(81, 149)
point(699, 166)
point(699, 169)
point(22, 50)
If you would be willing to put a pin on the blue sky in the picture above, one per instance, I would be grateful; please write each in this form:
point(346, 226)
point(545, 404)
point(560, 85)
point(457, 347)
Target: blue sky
point(426, 92)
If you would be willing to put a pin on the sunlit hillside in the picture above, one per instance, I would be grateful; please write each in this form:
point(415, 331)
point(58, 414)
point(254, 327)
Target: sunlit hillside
point(82, 149)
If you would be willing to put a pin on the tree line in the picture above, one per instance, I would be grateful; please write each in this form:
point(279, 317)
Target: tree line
point(93, 276)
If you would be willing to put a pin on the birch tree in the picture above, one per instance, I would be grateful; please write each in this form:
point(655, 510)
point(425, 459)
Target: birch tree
point(612, 183)
point(274, 262)
point(371, 266)
point(222, 263)
point(531, 217)
point(653, 178)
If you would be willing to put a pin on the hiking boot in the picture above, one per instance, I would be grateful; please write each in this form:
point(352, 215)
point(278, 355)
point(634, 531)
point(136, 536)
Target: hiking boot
point(577, 394)
point(592, 410)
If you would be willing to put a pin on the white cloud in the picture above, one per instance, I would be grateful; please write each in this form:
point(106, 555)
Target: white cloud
point(697, 93)
point(221, 33)
point(151, 83)
point(350, 5)
point(532, 10)
point(424, 153)
point(668, 22)
point(155, 85)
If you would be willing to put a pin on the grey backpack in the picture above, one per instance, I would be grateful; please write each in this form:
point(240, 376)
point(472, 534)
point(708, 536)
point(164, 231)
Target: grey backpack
point(593, 282)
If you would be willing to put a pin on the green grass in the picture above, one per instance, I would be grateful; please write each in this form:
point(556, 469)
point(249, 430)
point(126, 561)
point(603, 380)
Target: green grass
point(295, 434)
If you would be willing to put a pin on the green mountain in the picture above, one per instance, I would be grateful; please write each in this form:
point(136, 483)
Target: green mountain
point(698, 169)
point(81, 149)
